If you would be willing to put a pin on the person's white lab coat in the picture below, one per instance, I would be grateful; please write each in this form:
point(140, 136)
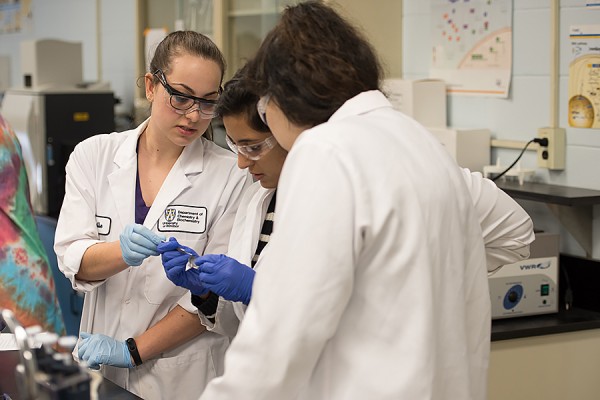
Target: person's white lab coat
point(373, 284)
point(506, 228)
point(507, 233)
point(196, 204)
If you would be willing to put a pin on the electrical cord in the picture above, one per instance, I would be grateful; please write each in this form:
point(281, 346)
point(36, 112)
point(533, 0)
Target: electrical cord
point(568, 291)
point(541, 141)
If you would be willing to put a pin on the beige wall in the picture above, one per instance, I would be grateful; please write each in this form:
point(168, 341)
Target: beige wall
point(381, 20)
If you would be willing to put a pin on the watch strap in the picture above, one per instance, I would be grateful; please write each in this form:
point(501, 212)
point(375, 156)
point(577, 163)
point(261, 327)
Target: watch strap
point(133, 350)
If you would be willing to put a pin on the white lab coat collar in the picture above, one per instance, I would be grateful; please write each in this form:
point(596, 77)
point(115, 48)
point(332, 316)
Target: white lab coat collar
point(122, 181)
point(361, 103)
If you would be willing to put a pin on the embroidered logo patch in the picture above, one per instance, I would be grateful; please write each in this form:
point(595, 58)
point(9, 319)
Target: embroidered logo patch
point(180, 218)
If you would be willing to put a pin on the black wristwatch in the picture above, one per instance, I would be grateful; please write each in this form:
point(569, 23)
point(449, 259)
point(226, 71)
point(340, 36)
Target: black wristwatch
point(133, 350)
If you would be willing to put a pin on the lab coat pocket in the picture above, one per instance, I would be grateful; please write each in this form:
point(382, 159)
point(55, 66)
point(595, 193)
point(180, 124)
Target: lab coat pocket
point(158, 289)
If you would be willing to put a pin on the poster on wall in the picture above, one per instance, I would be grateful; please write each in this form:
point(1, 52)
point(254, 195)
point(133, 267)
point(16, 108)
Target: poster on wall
point(15, 15)
point(584, 77)
point(472, 46)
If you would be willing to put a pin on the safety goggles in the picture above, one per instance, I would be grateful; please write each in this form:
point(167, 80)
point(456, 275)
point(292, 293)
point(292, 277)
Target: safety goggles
point(261, 107)
point(254, 151)
point(184, 103)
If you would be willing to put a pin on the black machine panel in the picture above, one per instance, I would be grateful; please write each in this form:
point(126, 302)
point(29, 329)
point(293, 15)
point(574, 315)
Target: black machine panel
point(71, 118)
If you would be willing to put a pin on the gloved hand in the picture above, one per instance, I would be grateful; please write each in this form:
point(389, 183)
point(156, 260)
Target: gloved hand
point(226, 277)
point(99, 349)
point(138, 243)
point(174, 263)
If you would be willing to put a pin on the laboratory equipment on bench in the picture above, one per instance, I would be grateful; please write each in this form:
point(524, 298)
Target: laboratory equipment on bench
point(36, 371)
point(52, 112)
point(528, 287)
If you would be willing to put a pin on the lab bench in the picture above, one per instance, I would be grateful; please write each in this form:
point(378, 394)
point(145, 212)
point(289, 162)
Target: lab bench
point(564, 321)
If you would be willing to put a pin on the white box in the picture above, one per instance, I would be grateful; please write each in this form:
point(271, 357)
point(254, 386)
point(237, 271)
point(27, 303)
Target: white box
point(421, 99)
point(469, 147)
point(47, 63)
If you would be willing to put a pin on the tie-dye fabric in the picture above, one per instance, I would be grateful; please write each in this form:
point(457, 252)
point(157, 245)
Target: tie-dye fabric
point(26, 282)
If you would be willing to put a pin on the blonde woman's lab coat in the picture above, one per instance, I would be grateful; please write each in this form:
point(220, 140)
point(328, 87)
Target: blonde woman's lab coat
point(373, 285)
point(196, 204)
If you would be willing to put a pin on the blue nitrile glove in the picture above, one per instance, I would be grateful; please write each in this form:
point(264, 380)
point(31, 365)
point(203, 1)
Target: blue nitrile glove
point(99, 349)
point(174, 263)
point(138, 243)
point(226, 277)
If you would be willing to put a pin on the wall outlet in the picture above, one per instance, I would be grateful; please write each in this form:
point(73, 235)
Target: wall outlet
point(553, 155)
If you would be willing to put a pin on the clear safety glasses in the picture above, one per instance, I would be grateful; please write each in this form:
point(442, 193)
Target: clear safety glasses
point(254, 151)
point(184, 103)
point(261, 107)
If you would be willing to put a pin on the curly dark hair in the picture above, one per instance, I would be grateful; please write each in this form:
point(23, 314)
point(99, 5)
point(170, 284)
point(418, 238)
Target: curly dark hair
point(312, 62)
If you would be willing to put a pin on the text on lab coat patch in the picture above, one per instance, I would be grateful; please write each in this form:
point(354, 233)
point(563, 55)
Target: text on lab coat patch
point(103, 225)
point(180, 218)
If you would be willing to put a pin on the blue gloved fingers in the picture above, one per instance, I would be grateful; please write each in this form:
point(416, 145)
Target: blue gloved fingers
point(141, 244)
point(209, 274)
point(228, 278)
point(179, 261)
point(141, 249)
point(85, 354)
point(137, 243)
point(211, 258)
point(100, 349)
point(172, 244)
point(81, 348)
point(148, 234)
point(174, 273)
point(171, 255)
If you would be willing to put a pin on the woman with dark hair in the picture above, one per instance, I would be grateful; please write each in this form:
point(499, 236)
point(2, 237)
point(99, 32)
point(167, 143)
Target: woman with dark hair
point(373, 284)
point(127, 191)
point(231, 276)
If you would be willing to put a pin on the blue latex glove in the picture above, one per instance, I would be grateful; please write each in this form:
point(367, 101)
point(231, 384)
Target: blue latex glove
point(99, 349)
point(138, 243)
point(226, 277)
point(174, 263)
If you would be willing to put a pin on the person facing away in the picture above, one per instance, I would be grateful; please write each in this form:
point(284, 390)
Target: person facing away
point(374, 283)
point(26, 282)
point(125, 192)
point(506, 227)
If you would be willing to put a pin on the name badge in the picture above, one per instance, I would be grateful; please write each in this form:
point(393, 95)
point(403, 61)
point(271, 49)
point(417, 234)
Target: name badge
point(103, 225)
point(188, 219)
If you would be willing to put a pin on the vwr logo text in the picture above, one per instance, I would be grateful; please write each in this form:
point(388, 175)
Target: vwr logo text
point(543, 265)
